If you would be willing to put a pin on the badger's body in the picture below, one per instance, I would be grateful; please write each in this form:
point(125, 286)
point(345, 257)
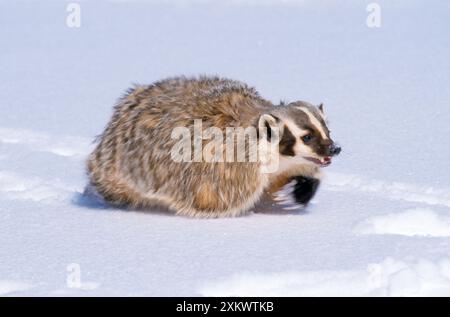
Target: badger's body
point(132, 163)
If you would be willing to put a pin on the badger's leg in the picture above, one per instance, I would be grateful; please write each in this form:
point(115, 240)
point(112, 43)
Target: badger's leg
point(304, 189)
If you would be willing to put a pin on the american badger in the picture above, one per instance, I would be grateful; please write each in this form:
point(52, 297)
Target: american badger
point(134, 162)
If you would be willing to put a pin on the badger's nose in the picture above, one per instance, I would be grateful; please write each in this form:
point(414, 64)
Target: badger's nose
point(335, 149)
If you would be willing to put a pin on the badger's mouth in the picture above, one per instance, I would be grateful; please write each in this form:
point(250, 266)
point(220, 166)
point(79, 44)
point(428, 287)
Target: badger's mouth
point(321, 162)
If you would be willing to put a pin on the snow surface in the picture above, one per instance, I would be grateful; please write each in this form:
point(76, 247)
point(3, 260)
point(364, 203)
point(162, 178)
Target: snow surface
point(380, 224)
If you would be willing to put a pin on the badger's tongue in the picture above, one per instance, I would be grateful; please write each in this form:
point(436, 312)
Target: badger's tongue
point(325, 162)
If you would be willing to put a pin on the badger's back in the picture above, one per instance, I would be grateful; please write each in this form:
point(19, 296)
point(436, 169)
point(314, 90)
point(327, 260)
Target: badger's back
point(132, 162)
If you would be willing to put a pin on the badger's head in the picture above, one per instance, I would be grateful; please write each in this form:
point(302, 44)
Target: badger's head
point(304, 137)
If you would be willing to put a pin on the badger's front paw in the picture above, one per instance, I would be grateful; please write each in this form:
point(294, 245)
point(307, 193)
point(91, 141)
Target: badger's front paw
point(300, 190)
point(304, 189)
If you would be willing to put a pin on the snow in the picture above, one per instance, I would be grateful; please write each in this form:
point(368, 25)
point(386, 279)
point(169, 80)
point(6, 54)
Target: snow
point(412, 222)
point(389, 278)
point(379, 225)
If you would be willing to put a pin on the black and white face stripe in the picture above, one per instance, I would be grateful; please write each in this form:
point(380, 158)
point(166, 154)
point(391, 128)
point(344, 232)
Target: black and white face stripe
point(287, 142)
point(317, 121)
point(305, 132)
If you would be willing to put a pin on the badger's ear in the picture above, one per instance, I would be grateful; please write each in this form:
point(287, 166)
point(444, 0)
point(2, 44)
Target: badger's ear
point(268, 125)
point(321, 108)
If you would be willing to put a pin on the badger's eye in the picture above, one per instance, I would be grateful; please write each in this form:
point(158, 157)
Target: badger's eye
point(307, 138)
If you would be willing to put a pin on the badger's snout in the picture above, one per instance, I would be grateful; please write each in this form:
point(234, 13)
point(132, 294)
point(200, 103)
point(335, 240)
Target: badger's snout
point(334, 149)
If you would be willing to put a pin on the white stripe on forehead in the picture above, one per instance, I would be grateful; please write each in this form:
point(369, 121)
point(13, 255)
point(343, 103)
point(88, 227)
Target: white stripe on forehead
point(294, 128)
point(316, 123)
